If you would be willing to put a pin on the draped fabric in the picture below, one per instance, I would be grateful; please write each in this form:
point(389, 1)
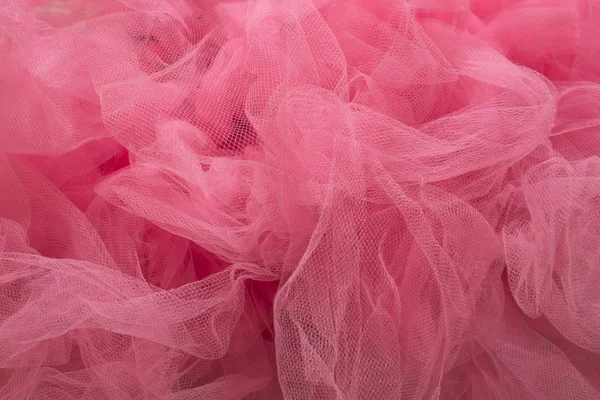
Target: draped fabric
point(299, 199)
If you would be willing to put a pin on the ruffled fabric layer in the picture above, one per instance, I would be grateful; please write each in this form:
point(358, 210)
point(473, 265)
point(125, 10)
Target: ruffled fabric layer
point(299, 199)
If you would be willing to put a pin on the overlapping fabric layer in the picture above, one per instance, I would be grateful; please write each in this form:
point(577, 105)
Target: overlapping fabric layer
point(299, 199)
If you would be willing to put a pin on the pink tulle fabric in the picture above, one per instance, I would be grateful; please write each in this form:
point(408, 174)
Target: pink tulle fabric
point(299, 199)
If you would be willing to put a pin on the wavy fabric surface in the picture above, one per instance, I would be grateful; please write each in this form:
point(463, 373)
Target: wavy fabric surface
point(299, 199)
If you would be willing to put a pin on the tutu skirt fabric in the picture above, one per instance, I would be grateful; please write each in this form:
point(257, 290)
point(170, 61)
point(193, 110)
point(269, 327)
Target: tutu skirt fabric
point(299, 199)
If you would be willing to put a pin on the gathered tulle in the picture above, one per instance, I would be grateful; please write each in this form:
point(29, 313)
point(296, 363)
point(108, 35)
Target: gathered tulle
point(299, 199)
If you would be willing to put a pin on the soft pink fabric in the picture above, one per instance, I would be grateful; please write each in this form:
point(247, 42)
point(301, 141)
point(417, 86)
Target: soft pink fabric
point(299, 199)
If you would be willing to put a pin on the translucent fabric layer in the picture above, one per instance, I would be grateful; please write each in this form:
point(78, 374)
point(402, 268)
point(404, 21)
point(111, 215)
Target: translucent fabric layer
point(299, 199)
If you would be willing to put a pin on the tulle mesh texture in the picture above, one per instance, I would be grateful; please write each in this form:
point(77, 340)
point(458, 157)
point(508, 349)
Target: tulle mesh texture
point(299, 199)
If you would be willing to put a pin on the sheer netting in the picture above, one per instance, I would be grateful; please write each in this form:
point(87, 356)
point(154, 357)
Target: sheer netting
point(299, 199)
